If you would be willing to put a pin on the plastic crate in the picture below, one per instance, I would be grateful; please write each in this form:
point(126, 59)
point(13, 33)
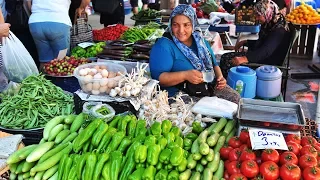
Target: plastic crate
point(245, 16)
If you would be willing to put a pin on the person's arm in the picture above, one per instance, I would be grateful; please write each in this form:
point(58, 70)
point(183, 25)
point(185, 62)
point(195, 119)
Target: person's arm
point(82, 7)
point(267, 48)
point(1, 17)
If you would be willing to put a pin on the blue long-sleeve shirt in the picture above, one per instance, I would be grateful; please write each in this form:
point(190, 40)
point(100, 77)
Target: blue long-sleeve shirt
point(165, 56)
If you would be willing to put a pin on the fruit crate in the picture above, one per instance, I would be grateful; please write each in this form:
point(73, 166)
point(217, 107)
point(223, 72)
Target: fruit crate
point(245, 16)
point(310, 129)
point(303, 46)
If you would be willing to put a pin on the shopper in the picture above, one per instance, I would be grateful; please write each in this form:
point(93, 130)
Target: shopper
point(50, 27)
point(135, 5)
point(4, 32)
point(110, 18)
point(178, 59)
point(77, 7)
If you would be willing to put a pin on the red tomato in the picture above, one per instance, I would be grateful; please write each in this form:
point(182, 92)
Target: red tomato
point(234, 154)
point(199, 4)
point(235, 142)
point(194, 5)
point(259, 177)
point(270, 155)
point(224, 152)
point(244, 135)
point(308, 140)
point(269, 170)
point(200, 14)
point(290, 171)
point(244, 147)
point(288, 157)
point(293, 138)
point(307, 161)
point(249, 168)
point(233, 167)
point(266, 124)
point(247, 154)
point(311, 173)
point(308, 149)
point(318, 156)
point(317, 146)
point(237, 176)
point(249, 143)
point(226, 175)
point(226, 163)
point(294, 147)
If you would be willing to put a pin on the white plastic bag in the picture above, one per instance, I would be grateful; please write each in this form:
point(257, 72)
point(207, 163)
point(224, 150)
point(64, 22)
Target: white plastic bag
point(18, 63)
point(108, 117)
point(215, 107)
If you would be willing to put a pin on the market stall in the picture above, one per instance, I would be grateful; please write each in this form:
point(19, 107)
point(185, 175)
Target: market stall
point(118, 123)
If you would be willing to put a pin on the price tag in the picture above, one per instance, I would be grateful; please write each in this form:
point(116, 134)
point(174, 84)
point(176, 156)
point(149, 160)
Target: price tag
point(86, 44)
point(232, 30)
point(267, 139)
point(62, 53)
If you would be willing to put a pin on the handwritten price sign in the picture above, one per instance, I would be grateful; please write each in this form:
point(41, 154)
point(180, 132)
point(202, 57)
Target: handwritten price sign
point(267, 139)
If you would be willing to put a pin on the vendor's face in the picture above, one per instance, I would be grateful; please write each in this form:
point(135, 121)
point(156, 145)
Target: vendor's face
point(182, 28)
point(260, 18)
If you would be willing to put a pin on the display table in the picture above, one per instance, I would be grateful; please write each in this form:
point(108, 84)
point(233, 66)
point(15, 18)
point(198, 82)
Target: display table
point(226, 27)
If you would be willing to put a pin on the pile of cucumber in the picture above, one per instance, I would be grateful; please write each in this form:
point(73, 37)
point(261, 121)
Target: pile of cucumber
point(40, 161)
point(204, 160)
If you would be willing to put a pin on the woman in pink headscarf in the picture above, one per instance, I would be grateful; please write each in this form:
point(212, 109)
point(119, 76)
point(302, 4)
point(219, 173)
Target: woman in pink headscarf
point(273, 42)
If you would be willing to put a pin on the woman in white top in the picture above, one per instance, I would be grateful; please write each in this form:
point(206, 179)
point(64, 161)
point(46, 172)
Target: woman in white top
point(50, 25)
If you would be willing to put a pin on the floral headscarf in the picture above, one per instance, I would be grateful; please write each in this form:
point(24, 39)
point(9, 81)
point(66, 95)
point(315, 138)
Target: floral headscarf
point(270, 11)
point(204, 59)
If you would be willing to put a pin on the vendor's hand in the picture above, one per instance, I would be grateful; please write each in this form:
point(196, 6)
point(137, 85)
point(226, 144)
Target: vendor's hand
point(4, 29)
point(239, 45)
point(221, 82)
point(236, 61)
point(194, 76)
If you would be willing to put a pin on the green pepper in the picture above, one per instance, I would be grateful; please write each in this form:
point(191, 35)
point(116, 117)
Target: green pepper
point(115, 142)
point(61, 166)
point(199, 168)
point(173, 175)
point(166, 126)
point(115, 120)
point(192, 136)
point(131, 127)
point(159, 166)
point(137, 174)
point(90, 165)
point(162, 174)
point(140, 128)
point(103, 158)
point(183, 165)
point(170, 137)
point(176, 156)
point(141, 154)
point(168, 167)
point(85, 135)
point(106, 139)
point(149, 173)
point(122, 125)
point(210, 156)
point(172, 145)
point(125, 143)
point(196, 127)
point(106, 171)
point(162, 142)
point(153, 154)
point(150, 140)
point(196, 176)
point(130, 162)
point(141, 165)
point(165, 156)
point(156, 128)
point(67, 167)
point(116, 159)
point(97, 136)
point(82, 161)
point(185, 154)
point(86, 146)
point(176, 131)
point(179, 141)
point(187, 143)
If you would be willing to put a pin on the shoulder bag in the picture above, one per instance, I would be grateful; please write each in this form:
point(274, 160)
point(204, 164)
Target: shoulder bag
point(81, 31)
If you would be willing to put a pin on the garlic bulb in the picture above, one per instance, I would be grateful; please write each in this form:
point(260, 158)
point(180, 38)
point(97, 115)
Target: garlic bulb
point(113, 93)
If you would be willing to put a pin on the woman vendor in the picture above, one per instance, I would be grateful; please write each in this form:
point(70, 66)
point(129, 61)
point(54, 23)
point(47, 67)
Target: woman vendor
point(182, 54)
point(274, 39)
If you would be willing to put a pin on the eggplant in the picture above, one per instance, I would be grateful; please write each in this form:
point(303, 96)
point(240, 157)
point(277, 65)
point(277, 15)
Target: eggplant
point(109, 56)
point(119, 42)
point(140, 56)
point(141, 42)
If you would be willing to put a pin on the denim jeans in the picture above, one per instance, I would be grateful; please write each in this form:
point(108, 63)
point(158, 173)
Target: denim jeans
point(50, 38)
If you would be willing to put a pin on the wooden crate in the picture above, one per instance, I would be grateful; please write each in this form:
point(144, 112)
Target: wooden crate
point(303, 46)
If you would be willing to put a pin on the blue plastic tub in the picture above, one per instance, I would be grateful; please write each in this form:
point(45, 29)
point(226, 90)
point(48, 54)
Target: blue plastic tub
point(127, 10)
